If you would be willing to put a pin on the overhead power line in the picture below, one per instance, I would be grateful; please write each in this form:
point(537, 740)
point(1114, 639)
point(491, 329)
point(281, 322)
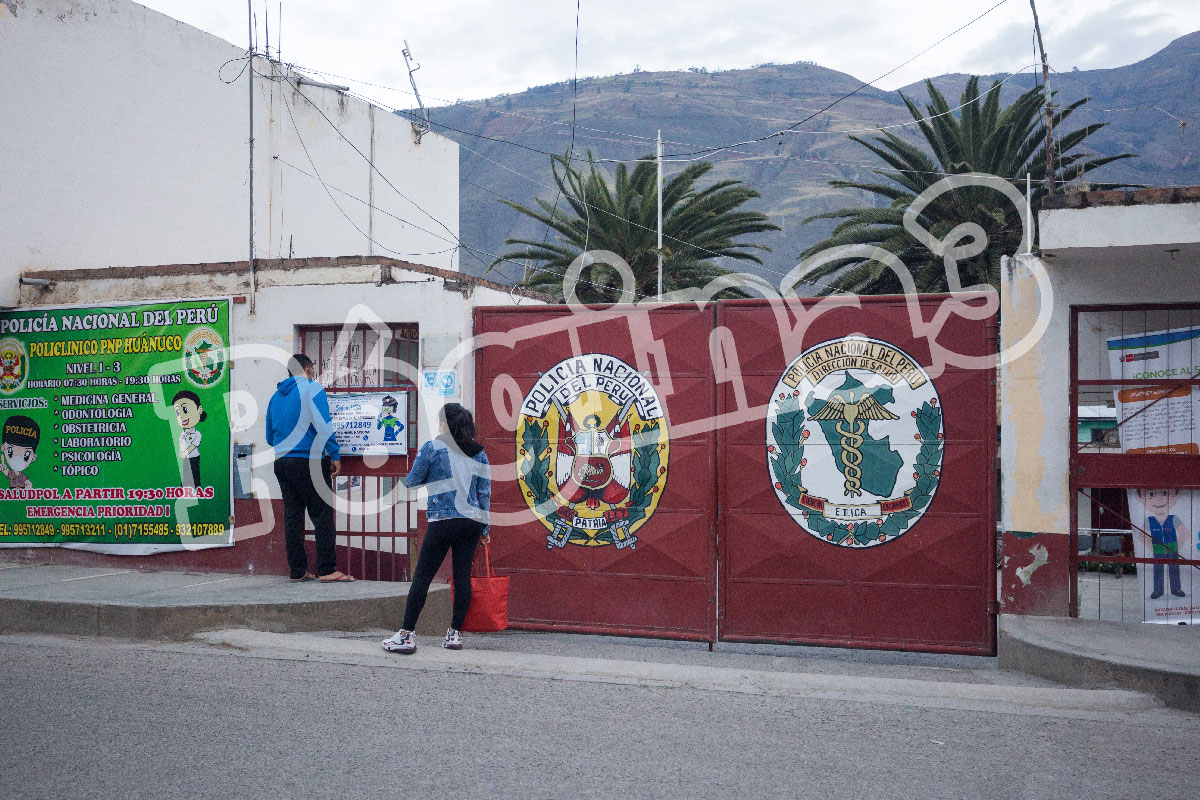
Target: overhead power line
point(475, 251)
point(879, 168)
point(547, 187)
point(712, 149)
point(1071, 77)
point(574, 101)
point(317, 175)
point(845, 96)
point(330, 187)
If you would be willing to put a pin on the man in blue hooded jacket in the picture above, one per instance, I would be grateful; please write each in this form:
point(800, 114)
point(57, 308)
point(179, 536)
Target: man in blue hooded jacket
point(298, 427)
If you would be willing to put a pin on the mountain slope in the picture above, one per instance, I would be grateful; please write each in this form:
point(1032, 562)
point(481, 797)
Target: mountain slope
point(617, 117)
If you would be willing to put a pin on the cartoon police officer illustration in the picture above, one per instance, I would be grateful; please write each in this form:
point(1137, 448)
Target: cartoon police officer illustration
point(387, 419)
point(18, 444)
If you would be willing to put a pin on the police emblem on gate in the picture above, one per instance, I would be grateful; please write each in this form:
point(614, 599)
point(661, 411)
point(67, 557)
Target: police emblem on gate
point(855, 441)
point(592, 451)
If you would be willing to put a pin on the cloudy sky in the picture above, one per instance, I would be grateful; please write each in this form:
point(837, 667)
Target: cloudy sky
point(470, 49)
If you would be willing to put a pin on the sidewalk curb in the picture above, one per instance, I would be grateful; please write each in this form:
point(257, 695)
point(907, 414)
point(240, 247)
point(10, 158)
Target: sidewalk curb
point(130, 621)
point(1025, 650)
point(914, 692)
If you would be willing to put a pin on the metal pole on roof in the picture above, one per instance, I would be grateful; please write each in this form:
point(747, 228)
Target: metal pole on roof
point(1049, 106)
point(419, 128)
point(659, 158)
point(250, 82)
point(1028, 214)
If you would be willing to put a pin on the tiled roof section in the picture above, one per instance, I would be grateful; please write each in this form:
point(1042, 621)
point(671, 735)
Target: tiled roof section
point(266, 264)
point(1123, 197)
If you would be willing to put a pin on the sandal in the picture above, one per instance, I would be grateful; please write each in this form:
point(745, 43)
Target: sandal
point(308, 576)
point(336, 577)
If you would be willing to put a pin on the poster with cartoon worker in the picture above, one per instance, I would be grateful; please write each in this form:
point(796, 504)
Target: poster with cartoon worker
point(1157, 416)
point(18, 445)
point(1167, 533)
point(387, 419)
point(190, 413)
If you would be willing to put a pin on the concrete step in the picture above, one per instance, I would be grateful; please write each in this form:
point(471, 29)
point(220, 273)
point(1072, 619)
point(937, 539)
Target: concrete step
point(1162, 660)
point(154, 605)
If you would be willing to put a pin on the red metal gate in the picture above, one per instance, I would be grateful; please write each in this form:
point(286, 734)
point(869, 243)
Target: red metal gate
point(662, 584)
point(924, 583)
point(932, 587)
point(380, 514)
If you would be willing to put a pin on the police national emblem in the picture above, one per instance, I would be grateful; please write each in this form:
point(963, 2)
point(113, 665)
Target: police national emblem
point(855, 441)
point(14, 366)
point(592, 451)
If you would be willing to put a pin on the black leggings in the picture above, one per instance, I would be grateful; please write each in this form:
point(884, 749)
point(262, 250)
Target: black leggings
point(459, 535)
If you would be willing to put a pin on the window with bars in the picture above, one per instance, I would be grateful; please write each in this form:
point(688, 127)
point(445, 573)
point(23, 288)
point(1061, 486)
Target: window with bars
point(366, 359)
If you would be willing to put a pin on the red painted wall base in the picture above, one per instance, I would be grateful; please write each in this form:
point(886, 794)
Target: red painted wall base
point(1035, 574)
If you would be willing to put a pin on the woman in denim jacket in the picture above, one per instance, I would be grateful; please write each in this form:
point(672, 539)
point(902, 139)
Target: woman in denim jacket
point(454, 469)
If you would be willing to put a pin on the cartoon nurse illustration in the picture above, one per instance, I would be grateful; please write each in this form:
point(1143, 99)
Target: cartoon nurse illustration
point(190, 414)
point(19, 446)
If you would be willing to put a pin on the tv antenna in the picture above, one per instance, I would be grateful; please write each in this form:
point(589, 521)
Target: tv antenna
point(420, 128)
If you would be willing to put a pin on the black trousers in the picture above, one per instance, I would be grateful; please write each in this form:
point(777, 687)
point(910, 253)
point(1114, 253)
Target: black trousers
point(461, 537)
point(194, 466)
point(299, 495)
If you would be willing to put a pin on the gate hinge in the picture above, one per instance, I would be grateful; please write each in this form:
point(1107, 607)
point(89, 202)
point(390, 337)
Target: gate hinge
point(993, 608)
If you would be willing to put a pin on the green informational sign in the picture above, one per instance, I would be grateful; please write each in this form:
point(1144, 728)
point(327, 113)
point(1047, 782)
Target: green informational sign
point(115, 431)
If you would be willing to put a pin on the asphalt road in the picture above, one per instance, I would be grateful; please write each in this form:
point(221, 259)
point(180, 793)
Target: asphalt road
point(264, 716)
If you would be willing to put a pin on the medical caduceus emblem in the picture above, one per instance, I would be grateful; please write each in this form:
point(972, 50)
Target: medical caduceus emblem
point(851, 414)
point(855, 441)
point(592, 451)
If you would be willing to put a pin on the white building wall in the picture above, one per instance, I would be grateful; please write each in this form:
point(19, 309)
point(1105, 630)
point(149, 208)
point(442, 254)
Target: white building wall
point(123, 145)
point(1089, 261)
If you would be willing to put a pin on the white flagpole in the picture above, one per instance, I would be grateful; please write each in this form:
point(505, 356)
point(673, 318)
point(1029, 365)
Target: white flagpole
point(660, 227)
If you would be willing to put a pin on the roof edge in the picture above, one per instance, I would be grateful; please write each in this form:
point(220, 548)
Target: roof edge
point(269, 264)
point(1123, 197)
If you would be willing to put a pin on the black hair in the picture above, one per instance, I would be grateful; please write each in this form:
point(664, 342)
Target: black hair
point(1144, 493)
point(195, 398)
point(298, 363)
point(21, 431)
point(461, 426)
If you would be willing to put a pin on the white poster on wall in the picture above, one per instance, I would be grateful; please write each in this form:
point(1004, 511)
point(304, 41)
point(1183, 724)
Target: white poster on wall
point(1162, 419)
point(370, 422)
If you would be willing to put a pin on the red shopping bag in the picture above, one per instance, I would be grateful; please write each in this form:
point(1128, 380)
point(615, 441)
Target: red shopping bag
point(489, 600)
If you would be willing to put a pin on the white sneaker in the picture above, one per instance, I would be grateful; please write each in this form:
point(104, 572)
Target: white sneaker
point(453, 640)
point(401, 642)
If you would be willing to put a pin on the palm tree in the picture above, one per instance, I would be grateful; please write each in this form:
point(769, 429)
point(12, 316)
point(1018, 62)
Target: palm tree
point(700, 225)
point(980, 138)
